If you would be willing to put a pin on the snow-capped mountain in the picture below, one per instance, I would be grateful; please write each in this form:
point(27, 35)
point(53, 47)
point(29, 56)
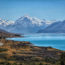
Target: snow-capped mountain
point(28, 24)
point(5, 23)
point(56, 27)
point(29, 20)
point(24, 24)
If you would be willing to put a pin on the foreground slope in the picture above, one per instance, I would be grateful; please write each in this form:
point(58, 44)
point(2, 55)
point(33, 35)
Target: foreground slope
point(25, 53)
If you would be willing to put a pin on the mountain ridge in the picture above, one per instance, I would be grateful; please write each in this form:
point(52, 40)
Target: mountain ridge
point(26, 24)
point(57, 27)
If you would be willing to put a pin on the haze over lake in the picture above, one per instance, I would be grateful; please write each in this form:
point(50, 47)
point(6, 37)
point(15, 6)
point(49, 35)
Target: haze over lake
point(53, 40)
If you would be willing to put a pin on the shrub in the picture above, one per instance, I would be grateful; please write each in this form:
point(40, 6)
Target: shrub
point(62, 59)
point(3, 49)
point(40, 64)
point(3, 55)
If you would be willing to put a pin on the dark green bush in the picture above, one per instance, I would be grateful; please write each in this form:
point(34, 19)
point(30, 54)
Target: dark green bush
point(3, 56)
point(3, 49)
point(62, 59)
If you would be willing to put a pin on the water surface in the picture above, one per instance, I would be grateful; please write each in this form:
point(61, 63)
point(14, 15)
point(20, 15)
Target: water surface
point(53, 40)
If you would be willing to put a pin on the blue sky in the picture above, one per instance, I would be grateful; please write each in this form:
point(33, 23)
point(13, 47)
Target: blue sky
point(43, 9)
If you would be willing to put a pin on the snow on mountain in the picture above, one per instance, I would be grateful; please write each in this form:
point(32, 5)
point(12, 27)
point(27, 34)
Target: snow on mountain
point(56, 27)
point(28, 24)
point(5, 23)
point(24, 24)
point(10, 22)
point(2, 22)
point(27, 19)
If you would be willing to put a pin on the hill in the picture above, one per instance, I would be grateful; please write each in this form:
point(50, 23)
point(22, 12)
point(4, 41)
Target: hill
point(5, 34)
point(57, 27)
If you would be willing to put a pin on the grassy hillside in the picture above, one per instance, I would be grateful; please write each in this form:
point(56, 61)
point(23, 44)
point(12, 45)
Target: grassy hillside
point(25, 53)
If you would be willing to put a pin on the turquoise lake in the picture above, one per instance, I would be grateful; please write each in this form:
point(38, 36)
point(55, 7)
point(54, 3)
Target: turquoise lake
point(40, 39)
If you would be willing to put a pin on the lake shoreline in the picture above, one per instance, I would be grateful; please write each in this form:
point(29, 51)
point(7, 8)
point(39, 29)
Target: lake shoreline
point(44, 40)
point(23, 51)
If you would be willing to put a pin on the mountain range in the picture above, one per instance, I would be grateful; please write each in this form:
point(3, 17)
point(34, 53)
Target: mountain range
point(56, 27)
point(27, 24)
point(24, 24)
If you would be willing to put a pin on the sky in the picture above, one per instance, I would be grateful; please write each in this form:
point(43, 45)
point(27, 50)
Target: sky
point(43, 9)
